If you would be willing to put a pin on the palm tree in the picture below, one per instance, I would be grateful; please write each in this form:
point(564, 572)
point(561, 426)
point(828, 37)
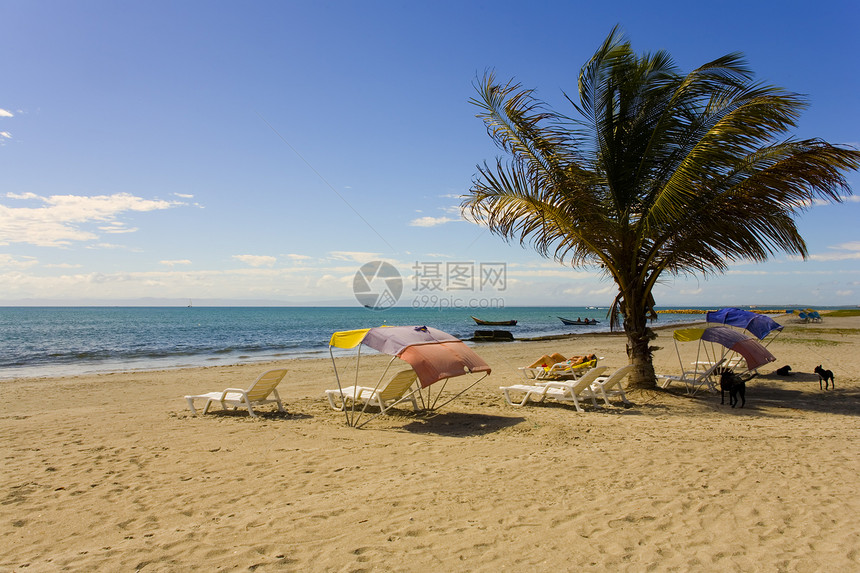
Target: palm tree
point(660, 174)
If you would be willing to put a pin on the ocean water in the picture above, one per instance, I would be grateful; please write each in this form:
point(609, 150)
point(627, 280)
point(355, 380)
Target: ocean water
point(63, 341)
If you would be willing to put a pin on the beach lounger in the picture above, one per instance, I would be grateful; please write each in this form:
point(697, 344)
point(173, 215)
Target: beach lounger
point(569, 369)
point(257, 394)
point(563, 391)
point(384, 397)
point(693, 380)
point(612, 385)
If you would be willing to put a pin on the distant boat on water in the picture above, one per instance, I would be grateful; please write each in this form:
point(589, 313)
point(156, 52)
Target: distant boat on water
point(579, 321)
point(495, 322)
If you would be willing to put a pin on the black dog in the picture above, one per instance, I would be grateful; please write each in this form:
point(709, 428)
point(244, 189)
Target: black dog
point(824, 376)
point(735, 386)
point(784, 371)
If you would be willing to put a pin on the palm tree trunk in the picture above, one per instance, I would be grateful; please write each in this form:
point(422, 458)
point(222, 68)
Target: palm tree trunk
point(639, 338)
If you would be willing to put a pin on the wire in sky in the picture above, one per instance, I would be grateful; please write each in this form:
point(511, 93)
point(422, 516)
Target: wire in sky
point(323, 179)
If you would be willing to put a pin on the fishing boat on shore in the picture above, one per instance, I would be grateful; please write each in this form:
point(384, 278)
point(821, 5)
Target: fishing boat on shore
point(494, 322)
point(579, 321)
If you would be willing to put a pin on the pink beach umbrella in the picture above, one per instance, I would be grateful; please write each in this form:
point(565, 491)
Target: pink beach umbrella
point(751, 350)
point(433, 354)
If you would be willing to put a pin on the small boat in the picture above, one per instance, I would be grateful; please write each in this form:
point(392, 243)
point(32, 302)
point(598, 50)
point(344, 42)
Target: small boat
point(495, 322)
point(579, 321)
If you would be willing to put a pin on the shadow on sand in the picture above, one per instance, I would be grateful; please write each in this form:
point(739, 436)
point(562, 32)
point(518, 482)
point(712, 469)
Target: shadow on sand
point(461, 425)
point(261, 415)
point(799, 391)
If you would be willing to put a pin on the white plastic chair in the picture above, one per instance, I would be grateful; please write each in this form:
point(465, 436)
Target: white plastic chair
point(612, 385)
point(571, 391)
point(384, 397)
point(693, 380)
point(257, 394)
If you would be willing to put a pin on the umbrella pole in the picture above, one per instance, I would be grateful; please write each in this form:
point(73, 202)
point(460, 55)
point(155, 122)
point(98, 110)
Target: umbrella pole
point(772, 338)
point(460, 393)
point(339, 386)
point(438, 394)
point(375, 388)
point(678, 352)
point(355, 391)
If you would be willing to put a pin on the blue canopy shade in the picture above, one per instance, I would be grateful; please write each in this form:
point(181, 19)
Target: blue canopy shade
point(757, 324)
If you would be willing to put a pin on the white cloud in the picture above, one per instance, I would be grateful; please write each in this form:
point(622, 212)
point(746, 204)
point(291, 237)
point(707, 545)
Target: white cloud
point(176, 262)
point(5, 134)
point(754, 273)
point(64, 266)
point(256, 260)
point(822, 202)
point(576, 291)
point(116, 227)
point(357, 256)
point(112, 246)
point(844, 293)
point(57, 220)
point(845, 252)
point(555, 273)
point(610, 289)
point(238, 284)
point(431, 221)
point(4, 113)
point(10, 262)
point(850, 246)
point(299, 257)
point(835, 257)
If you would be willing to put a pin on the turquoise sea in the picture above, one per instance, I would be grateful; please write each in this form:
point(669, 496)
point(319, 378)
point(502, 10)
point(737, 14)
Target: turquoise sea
point(62, 341)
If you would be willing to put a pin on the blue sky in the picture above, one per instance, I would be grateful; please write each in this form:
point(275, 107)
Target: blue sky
point(240, 153)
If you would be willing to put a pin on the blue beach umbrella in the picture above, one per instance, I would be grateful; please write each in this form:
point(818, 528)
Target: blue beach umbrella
point(723, 344)
point(758, 325)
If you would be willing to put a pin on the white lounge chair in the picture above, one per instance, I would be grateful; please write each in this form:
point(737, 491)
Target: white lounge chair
point(694, 380)
point(384, 397)
point(612, 385)
point(571, 391)
point(257, 394)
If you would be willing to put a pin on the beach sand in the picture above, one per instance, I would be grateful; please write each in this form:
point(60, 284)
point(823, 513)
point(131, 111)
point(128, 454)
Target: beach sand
point(113, 473)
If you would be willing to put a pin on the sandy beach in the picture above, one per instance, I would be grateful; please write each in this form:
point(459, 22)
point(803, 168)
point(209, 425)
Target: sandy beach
point(113, 473)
